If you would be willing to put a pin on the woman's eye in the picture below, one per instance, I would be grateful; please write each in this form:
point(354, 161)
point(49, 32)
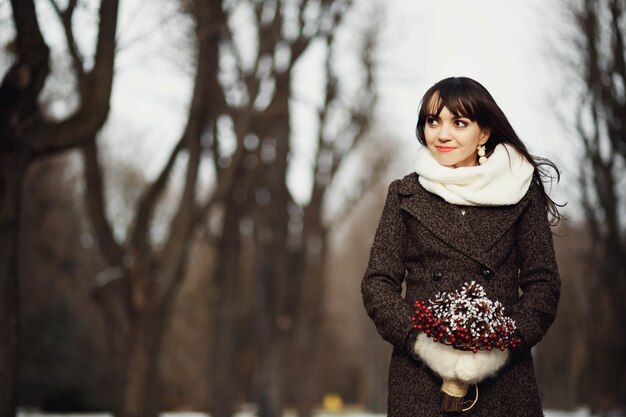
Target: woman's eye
point(460, 123)
point(431, 120)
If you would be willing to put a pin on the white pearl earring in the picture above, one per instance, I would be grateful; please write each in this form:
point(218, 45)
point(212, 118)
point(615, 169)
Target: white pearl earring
point(481, 154)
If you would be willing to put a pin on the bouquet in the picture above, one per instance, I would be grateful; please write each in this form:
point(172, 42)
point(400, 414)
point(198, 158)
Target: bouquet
point(470, 337)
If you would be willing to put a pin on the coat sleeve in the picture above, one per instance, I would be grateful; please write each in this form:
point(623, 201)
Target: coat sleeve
point(381, 286)
point(539, 277)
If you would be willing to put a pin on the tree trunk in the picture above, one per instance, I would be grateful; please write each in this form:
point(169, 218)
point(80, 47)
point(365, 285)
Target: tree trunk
point(309, 323)
point(12, 170)
point(142, 379)
point(223, 344)
point(271, 371)
point(112, 301)
point(276, 288)
point(135, 347)
point(601, 39)
point(270, 338)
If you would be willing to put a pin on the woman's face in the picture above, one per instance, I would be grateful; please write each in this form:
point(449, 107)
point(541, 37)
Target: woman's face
point(453, 140)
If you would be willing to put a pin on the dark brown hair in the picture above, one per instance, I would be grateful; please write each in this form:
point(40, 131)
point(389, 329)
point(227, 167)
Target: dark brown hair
point(467, 98)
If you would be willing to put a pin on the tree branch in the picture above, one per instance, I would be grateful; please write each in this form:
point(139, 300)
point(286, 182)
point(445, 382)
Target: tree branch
point(147, 203)
point(23, 82)
point(202, 115)
point(95, 202)
point(617, 135)
point(94, 109)
point(66, 20)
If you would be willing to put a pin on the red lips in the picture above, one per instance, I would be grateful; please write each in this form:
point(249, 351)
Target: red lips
point(445, 148)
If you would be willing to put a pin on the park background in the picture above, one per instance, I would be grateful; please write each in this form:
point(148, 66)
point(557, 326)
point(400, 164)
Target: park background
point(190, 188)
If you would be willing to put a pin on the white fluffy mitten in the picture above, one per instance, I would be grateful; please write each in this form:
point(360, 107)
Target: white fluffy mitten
point(464, 365)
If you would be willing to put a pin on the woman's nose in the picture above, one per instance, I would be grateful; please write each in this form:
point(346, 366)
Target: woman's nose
point(444, 133)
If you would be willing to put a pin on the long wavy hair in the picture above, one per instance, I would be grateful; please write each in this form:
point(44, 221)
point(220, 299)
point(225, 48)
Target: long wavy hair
point(465, 97)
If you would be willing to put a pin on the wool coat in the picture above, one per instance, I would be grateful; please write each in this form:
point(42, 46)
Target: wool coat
point(431, 246)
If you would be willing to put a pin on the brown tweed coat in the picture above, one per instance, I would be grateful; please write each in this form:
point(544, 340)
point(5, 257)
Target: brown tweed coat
point(430, 244)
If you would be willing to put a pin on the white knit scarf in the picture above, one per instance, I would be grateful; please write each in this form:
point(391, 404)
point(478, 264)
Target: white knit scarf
point(502, 180)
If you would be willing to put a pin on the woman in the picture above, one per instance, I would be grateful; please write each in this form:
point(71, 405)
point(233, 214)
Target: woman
point(475, 210)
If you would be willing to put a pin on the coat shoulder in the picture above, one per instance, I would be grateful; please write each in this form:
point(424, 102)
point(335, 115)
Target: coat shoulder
point(535, 194)
point(406, 185)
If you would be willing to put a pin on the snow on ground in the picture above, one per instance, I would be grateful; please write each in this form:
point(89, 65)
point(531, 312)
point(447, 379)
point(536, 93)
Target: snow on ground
point(548, 413)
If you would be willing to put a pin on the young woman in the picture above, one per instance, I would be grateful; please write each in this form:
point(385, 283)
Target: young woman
point(471, 221)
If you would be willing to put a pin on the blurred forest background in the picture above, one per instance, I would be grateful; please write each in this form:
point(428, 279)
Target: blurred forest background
point(141, 273)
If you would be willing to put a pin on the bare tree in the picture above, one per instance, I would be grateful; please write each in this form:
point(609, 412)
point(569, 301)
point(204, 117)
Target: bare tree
point(26, 133)
point(289, 240)
point(601, 129)
point(137, 289)
point(309, 272)
point(138, 305)
point(266, 81)
point(139, 285)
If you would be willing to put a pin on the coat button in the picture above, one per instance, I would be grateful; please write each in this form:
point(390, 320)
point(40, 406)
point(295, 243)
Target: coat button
point(437, 274)
point(487, 273)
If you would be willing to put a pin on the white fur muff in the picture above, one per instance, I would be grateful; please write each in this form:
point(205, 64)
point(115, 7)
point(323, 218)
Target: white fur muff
point(464, 365)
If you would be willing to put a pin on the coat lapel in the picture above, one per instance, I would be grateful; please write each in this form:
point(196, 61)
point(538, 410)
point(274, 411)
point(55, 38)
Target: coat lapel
point(473, 233)
point(489, 223)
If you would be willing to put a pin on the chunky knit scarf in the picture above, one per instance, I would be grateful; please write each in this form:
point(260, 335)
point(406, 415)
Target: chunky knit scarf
point(502, 180)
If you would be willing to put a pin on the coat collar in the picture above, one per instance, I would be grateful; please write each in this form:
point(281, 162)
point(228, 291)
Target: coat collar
point(473, 233)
